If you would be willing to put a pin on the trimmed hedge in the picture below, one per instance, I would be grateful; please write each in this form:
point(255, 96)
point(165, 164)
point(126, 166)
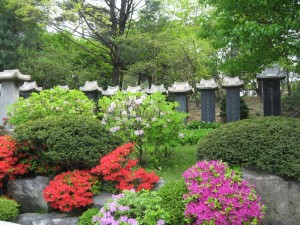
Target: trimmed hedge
point(268, 143)
point(75, 142)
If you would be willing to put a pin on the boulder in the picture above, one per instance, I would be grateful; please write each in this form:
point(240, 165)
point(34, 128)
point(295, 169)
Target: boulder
point(28, 192)
point(281, 197)
point(101, 199)
point(47, 219)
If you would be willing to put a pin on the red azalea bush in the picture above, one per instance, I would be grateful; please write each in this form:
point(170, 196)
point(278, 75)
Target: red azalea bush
point(70, 190)
point(118, 167)
point(10, 164)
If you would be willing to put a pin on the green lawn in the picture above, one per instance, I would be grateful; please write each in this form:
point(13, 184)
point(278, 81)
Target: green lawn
point(182, 158)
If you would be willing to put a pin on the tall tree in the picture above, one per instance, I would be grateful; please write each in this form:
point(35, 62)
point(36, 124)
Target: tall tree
point(99, 21)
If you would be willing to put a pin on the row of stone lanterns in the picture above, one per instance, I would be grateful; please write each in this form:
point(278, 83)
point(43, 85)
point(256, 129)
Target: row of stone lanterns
point(10, 81)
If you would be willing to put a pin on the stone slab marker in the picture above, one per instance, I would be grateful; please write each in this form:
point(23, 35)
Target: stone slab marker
point(232, 86)
point(270, 78)
point(10, 82)
point(208, 102)
point(180, 90)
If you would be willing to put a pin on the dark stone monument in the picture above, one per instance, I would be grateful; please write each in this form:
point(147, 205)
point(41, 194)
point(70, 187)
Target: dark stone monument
point(29, 87)
point(270, 78)
point(92, 90)
point(180, 90)
point(207, 89)
point(232, 86)
point(10, 82)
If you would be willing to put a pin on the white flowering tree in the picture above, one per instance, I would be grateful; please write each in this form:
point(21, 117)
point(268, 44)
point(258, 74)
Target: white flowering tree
point(150, 121)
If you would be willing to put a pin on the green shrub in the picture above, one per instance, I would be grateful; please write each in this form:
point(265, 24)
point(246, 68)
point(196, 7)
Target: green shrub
point(173, 202)
point(191, 137)
point(48, 103)
point(8, 209)
point(291, 104)
point(244, 110)
point(269, 143)
point(195, 125)
point(74, 142)
point(87, 216)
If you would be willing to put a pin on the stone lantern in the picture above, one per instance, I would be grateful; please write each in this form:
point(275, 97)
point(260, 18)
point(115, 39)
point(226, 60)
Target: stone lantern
point(232, 86)
point(92, 90)
point(28, 87)
point(208, 102)
point(10, 82)
point(110, 91)
point(270, 78)
point(180, 90)
point(155, 88)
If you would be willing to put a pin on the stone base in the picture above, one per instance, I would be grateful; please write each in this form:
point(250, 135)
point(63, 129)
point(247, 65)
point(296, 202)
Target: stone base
point(281, 197)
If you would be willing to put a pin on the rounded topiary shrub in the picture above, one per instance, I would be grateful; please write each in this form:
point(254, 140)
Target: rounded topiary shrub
point(173, 202)
point(268, 143)
point(87, 217)
point(8, 209)
point(76, 142)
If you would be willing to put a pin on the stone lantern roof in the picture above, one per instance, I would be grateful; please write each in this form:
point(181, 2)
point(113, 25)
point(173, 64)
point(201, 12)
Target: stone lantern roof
point(273, 72)
point(133, 89)
point(91, 86)
point(232, 82)
point(156, 88)
point(207, 84)
point(111, 90)
point(13, 75)
point(30, 86)
point(181, 87)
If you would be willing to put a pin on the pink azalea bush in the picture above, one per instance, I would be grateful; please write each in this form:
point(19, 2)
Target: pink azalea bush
point(218, 196)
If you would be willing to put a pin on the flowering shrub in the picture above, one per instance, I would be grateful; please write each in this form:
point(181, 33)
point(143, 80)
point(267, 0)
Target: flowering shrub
point(141, 208)
point(70, 190)
point(118, 167)
point(218, 196)
point(10, 166)
point(147, 120)
point(48, 103)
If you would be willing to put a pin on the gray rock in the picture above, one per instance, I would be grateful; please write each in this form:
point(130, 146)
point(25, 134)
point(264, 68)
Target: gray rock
point(159, 185)
point(29, 194)
point(47, 219)
point(101, 199)
point(281, 197)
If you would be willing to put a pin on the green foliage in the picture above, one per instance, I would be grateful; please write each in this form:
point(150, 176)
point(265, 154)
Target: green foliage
point(244, 110)
point(172, 200)
point(191, 137)
point(148, 120)
point(59, 60)
point(144, 208)
point(291, 104)
point(75, 142)
point(195, 125)
point(49, 103)
point(8, 209)
point(268, 143)
point(251, 34)
point(87, 216)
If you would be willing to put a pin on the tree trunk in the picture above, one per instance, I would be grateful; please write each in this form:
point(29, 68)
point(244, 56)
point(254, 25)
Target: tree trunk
point(288, 83)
